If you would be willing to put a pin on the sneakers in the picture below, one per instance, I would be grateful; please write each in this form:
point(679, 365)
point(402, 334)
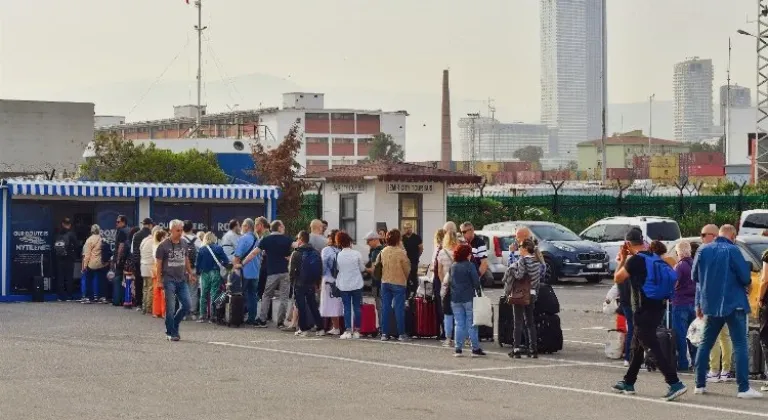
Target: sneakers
point(624, 388)
point(260, 324)
point(727, 377)
point(403, 338)
point(346, 336)
point(175, 338)
point(302, 334)
point(320, 333)
point(356, 335)
point(675, 391)
point(334, 331)
point(749, 394)
point(478, 353)
point(201, 320)
point(699, 391)
point(713, 377)
point(458, 353)
point(764, 388)
point(384, 338)
point(448, 343)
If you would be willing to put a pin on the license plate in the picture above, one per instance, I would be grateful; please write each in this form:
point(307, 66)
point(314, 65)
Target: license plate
point(595, 266)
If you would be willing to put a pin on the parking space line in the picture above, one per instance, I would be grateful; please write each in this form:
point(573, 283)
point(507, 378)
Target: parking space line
point(286, 340)
point(683, 405)
point(512, 367)
point(591, 343)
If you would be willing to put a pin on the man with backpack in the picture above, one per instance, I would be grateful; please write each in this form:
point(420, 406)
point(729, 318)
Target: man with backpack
point(306, 272)
point(651, 282)
point(192, 242)
point(724, 279)
point(65, 250)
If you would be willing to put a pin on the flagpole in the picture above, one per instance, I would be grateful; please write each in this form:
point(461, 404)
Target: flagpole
point(199, 28)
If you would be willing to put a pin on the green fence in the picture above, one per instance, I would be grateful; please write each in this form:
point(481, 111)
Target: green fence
point(577, 212)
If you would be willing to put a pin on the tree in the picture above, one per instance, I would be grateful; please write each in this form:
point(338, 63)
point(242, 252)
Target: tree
point(384, 148)
point(531, 154)
point(572, 165)
point(278, 166)
point(118, 160)
point(708, 147)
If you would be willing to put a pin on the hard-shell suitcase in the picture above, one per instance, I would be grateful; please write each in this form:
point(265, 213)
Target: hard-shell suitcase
point(38, 284)
point(368, 320)
point(668, 344)
point(234, 310)
point(118, 291)
point(484, 332)
point(546, 301)
point(424, 319)
point(549, 333)
point(505, 323)
point(755, 352)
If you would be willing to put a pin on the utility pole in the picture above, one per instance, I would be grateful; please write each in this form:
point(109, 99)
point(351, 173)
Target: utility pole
point(727, 119)
point(604, 72)
point(650, 123)
point(472, 143)
point(492, 112)
point(199, 28)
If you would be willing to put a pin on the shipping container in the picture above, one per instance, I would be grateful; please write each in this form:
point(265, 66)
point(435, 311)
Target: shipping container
point(641, 162)
point(666, 174)
point(528, 177)
point(487, 167)
point(707, 158)
point(665, 161)
point(504, 177)
point(706, 170)
point(618, 173)
point(640, 173)
point(516, 166)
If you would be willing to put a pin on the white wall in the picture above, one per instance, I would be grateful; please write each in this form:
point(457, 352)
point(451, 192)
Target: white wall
point(375, 204)
point(743, 122)
point(394, 125)
point(37, 136)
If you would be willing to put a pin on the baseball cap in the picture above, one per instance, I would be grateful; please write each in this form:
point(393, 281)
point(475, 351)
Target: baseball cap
point(372, 235)
point(634, 236)
point(147, 221)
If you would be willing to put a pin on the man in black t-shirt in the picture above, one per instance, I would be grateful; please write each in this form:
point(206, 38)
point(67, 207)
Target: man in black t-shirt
point(647, 316)
point(414, 247)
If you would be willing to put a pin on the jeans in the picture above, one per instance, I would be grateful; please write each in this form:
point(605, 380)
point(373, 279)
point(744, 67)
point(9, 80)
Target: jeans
point(737, 324)
point(524, 313)
point(722, 353)
point(682, 316)
point(93, 282)
point(352, 300)
point(644, 338)
point(376, 293)
point(251, 290)
point(194, 299)
point(173, 315)
point(392, 293)
point(275, 282)
point(462, 313)
point(627, 310)
point(438, 307)
point(306, 303)
point(448, 326)
point(65, 286)
point(210, 288)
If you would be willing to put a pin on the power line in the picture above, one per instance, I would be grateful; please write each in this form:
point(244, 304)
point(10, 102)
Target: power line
point(142, 97)
point(222, 73)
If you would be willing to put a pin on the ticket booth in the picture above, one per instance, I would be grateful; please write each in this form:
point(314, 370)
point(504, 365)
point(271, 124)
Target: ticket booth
point(364, 197)
point(31, 212)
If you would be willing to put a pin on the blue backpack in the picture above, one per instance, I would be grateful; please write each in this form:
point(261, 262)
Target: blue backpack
point(311, 271)
point(660, 278)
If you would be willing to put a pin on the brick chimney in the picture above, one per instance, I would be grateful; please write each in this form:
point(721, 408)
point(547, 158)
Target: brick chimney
point(445, 129)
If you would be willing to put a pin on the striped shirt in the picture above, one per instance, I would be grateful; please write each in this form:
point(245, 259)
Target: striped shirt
point(479, 251)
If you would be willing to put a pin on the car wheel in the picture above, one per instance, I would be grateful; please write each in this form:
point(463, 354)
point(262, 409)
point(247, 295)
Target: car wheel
point(550, 274)
point(593, 279)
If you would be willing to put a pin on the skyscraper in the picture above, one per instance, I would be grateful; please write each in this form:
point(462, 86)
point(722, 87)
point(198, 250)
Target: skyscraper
point(741, 97)
point(693, 109)
point(572, 50)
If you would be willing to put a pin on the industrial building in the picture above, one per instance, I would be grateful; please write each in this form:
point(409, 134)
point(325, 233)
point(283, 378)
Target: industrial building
point(332, 137)
point(572, 51)
point(42, 137)
point(622, 150)
point(486, 139)
point(741, 97)
point(693, 111)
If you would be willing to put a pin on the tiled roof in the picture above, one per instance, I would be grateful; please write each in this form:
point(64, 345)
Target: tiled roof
point(385, 171)
point(632, 140)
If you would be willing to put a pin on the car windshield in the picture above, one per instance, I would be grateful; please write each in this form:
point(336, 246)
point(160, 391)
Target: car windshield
point(758, 249)
point(663, 231)
point(553, 233)
point(505, 242)
point(756, 221)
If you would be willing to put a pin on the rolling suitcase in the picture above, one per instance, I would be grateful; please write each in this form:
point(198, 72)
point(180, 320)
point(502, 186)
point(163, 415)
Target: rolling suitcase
point(368, 320)
point(118, 291)
point(38, 284)
point(549, 333)
point(484, 332)
point(505, 323)
point(668, 344)
point(546, 301)
point(424, 318)
point(234, 310)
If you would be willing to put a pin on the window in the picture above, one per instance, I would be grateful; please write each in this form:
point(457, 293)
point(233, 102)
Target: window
point(317, 140)
point(343, 141)
point(342, 162)
point(342, 116)
point(594, 234)
point(348, 214)
point(410, 211)
point(756, 221)
point(312, 162)
point(364, 141)
point(663, 231)
point(617, 233)
point(316, 116)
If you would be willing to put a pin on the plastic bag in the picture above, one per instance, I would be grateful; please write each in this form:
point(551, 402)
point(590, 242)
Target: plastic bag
point(696, 331)
point(482, 311)
point(425, 288)
point(610, 307)
point(614, 344)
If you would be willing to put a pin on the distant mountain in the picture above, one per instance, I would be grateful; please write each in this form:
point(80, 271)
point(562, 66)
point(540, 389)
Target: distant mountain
point(635, 116)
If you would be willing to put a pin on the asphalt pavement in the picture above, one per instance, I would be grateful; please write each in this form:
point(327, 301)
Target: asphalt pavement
point(74, 361)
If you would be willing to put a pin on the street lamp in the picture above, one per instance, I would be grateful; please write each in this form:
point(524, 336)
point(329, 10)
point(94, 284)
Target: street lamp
point(761, 119)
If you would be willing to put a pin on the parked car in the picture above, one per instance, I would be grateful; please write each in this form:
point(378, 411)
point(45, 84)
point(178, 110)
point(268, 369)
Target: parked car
point(565, 254)
point(498, 243)
point(753, 222)
point(611, 231)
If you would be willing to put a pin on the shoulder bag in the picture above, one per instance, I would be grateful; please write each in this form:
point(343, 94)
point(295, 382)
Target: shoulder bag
point(521, 291)
point(222, 270)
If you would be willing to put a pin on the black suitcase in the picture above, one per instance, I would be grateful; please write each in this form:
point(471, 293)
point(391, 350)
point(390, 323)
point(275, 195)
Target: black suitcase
point(485, 333)
point(38, 289)
point(668, 344)
point(756, 357)
point(549, 333)
point(234, 310)
point(546, 301)
point(505, 323)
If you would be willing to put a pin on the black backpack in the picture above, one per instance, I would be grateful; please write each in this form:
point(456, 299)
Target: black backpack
point(191, 250)
point(106, 252)
point(61, 245)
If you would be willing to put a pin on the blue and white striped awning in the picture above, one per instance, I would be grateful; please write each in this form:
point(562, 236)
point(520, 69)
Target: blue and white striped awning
point(134, 190)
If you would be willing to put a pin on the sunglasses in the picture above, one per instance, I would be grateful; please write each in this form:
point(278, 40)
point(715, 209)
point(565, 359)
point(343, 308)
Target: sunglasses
point(464, 232)
point(704, 235)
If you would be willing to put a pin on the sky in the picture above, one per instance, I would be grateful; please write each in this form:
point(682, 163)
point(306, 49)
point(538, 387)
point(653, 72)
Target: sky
point(386, 55)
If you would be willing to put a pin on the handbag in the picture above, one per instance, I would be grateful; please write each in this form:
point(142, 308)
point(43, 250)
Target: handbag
point(222, 270)
point(521, 291)
point(378, 268)
point(610, 307)
point(482, 311)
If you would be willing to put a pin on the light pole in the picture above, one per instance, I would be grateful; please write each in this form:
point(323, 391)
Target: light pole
point(650, 123)
point(603, 141)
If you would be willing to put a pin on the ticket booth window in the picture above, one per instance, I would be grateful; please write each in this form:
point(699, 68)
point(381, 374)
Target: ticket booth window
point(410, 212)
point(348, 214)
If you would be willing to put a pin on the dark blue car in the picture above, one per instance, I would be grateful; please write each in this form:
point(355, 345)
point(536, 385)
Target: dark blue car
point(565, 253)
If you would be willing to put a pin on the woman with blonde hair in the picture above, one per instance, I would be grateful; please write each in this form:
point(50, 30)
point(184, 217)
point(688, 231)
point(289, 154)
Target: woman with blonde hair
point(147, 262)
point(445, 261)
point(683, 304)
point(211, 259)
point(158, 303)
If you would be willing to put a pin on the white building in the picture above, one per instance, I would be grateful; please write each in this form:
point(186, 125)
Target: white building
point(693, 111)
point(107, 120)
point(38, 137)
point(495, 141)
point(741, 97)
point(572, 50)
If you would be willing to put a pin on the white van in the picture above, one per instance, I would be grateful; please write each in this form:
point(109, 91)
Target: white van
point(753, 222)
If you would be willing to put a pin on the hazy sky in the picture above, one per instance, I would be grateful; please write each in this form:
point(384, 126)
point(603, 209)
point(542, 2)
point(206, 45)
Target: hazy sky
point(397, 46)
